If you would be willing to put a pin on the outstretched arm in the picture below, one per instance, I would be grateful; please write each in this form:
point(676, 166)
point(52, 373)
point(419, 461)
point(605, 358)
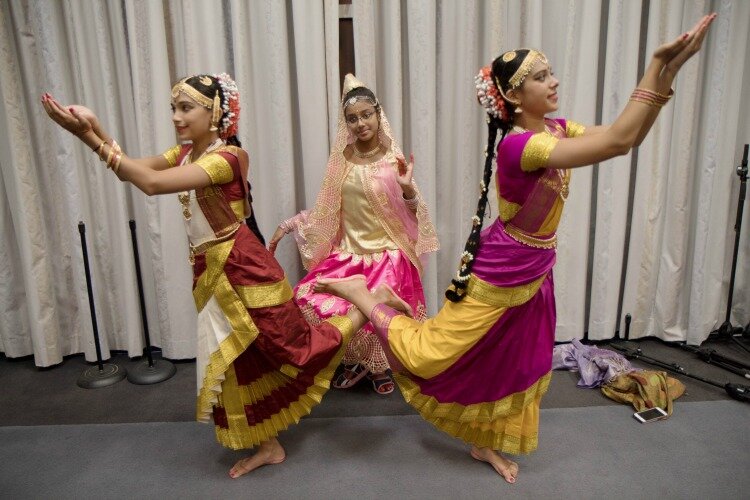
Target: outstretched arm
point(49, 103)
point(636, 119)
point(140, 172)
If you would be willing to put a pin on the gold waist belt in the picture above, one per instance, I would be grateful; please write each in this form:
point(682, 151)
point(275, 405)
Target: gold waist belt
point(528, 239)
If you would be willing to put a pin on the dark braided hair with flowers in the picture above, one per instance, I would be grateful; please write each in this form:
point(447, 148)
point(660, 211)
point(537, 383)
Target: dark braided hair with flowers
point(500, 114)
point(229, 99)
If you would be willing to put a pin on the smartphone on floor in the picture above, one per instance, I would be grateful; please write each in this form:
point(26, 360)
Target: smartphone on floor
point(650, 415)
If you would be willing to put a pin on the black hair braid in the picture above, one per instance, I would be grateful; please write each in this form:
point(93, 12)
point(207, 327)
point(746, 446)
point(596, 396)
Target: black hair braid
point(250, 221)
point(458, 289)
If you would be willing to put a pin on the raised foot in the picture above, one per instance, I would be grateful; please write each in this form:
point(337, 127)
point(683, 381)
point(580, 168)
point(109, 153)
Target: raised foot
point(342, 287)
point(269, 453)
point(503, 466)
point(385, 294)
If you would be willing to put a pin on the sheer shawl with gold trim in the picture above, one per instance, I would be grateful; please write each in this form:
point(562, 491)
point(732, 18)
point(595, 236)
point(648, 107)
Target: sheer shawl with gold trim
point(317, 231)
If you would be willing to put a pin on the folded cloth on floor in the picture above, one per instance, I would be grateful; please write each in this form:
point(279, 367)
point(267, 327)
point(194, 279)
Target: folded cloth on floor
point(645, 389)
point(596, 366)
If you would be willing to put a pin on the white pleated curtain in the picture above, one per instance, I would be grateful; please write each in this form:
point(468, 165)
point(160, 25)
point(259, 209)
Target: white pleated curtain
point(420, 56)
point(663, 221)
point(120, 59)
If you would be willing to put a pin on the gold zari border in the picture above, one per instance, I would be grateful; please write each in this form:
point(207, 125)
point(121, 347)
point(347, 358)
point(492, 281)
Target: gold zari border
point(240, 435)
point(244, 332)
point(217, 167)
point(506, 209)
point(171, 155)
point(195, 250)
point(573, 129)
point(214, 282)
point(461, 421)
point(537, 150)
point(265, 295)
point(238, 207)
point(502, 296)
point(216, 257)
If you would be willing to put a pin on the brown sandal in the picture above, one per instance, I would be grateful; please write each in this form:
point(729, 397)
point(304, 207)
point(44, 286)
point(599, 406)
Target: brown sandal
point(350, 376)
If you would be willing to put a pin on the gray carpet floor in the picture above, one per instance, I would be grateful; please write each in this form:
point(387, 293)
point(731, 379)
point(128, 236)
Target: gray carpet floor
point(132, 441)
point(50, 396)
point(702, 452)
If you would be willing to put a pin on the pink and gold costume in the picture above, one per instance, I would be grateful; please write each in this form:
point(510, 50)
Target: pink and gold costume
point(260, 365)
point(479, 368)
point(361, 224)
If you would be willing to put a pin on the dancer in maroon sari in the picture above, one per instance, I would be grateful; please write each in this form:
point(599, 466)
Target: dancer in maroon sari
point(260, 366)
point(479, 368)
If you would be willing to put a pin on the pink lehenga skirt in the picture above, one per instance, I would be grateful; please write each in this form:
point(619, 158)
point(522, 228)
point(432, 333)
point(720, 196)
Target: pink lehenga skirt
point(391, 267)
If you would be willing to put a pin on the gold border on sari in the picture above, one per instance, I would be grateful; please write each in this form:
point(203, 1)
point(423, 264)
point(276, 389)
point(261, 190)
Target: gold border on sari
point(537, 150)
point(460, 421)
point(506, 209)
point(238, 207)
point(172, 154)
point(574, 129)
point(265, 295)
point(216, 257)
point(244, 332)
point(241, 435)
point(217, 167)
point(499, 296)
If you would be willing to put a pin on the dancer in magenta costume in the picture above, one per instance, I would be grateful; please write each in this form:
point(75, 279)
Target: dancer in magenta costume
point(368, 219)
point(479, 368)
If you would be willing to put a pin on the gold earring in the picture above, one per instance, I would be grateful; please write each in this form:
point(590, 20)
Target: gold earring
point(215, 113)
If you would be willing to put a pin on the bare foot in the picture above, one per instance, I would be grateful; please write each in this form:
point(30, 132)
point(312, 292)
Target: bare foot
point(385, 294)
point(345, 288)
point(269, 453)
point(506, 468)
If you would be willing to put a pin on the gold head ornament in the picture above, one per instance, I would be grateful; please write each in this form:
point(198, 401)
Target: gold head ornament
point(350, 83)
point(517, 78)
point(182, 87)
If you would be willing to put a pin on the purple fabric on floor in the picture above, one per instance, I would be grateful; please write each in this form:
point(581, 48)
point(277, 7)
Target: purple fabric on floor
point(596, 366)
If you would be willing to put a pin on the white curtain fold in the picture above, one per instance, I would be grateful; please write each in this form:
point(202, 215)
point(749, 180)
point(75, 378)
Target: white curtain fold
point(120, 59)
point(674, 241)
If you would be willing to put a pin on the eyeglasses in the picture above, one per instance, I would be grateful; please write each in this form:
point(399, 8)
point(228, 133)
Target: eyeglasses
point(364, 116)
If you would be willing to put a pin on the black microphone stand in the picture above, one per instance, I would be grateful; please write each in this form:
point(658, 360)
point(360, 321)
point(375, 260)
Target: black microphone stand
point(103, 374)
point(726, 330)
point(150, 371)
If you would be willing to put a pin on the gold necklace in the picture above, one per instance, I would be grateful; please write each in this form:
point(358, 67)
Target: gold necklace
point(184, 196)
point(366, 154)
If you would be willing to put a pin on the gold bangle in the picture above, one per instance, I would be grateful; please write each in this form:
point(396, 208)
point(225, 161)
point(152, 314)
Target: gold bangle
point(96, 149)
point(658, 98)
point(646, 101)
point(116, 163)
point(111, 163)
point(109, 156)
point(666, 97)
